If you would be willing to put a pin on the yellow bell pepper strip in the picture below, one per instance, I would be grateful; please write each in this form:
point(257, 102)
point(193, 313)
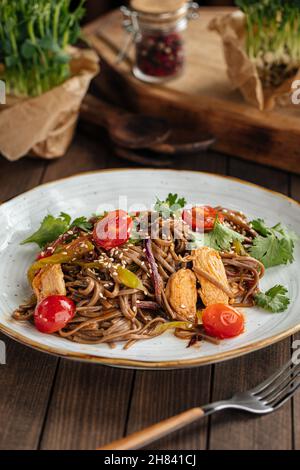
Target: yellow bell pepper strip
point(183, 325)
point(125, 277)
point(74, 250)
point(238, 248)
point(129, 279)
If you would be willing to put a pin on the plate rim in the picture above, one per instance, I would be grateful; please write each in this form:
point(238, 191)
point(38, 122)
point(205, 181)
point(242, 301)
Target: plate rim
point(130, 363)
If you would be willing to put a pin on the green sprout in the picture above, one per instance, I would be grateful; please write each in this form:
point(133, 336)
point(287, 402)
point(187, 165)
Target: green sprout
point(34, 35)
point(273, 38)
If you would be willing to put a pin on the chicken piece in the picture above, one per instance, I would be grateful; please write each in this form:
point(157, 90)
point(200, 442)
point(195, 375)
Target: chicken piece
point(49, 281)
point(181, 292)
point(209, 261)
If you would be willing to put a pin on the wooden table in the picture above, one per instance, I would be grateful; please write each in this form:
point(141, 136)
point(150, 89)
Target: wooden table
point(52, 403)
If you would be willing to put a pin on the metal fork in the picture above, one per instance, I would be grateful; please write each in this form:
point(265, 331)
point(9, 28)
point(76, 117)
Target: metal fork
point(265, 398)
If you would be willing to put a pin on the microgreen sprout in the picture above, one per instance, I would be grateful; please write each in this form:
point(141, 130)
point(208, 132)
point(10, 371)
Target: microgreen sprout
point(34, 35)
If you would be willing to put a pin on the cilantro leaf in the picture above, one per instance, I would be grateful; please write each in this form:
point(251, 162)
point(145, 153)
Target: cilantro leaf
point(51, 228)
point(274, 300)
point(82, 223)
point(170, 205)
point(260, 227)
point(221, 237)
point(274, 245)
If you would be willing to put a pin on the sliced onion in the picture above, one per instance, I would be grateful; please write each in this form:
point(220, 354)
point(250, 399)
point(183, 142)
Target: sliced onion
point(148, 305)
point(156, 278)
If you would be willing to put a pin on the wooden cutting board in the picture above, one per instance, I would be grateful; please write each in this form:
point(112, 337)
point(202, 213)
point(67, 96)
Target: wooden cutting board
point(202, 99)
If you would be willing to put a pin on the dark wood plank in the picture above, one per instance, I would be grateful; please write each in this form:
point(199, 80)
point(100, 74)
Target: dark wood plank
point(295, 193)
point(17, 177)
point(25, 384)
point(88, 407)
point(159, 395)
point(233, 430)
point(26, 379)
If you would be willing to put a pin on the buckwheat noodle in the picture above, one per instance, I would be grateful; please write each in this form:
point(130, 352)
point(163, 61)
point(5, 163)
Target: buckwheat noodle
point(108, 312)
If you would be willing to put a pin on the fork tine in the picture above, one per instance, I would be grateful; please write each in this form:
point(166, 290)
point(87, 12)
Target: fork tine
point(278, 391)
point(277, 383)
point(262, 386)
point(286, 397)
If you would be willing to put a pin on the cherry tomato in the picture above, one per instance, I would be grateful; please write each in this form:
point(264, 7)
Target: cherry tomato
point(113, 229)
point(222, 321)
point(201, 218)
point(53, 313)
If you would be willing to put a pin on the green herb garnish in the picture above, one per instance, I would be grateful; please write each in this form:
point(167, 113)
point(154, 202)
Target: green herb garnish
point(274, 245)
point(222, 237)
point(34, 35)
point(52, 227)
point(170, 206)
point(82, 223)
point(275, 300)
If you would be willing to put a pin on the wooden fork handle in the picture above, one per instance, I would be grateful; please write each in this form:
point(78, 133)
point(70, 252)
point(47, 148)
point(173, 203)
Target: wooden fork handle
point(156, 431)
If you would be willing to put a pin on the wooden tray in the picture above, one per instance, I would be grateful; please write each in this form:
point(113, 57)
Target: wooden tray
point(202, 98)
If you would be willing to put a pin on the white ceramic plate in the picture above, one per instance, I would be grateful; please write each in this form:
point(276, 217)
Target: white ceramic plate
point(88, 193)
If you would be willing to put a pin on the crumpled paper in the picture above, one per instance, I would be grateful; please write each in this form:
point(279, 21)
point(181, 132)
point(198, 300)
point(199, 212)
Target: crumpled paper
point(242, 72)
point(44, 126)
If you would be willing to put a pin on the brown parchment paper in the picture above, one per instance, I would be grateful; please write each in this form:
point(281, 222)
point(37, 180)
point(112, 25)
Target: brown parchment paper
point(44, 126)
point(241, 70)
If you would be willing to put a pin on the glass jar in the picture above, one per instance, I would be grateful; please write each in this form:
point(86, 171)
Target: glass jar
point(157, 30)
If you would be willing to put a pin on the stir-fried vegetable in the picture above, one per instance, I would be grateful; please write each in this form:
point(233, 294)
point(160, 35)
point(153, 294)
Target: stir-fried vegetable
point(34, 35)
point(70, 253)
point(53, 313)
point(156, 278)
point(129, 279)
point(113, 229)
point(222, 321)
point(182, 325)
point(202, 218)
point(273, 37)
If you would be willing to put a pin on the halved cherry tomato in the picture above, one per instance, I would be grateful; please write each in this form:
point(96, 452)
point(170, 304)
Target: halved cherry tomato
point(113, 230)
point(222, 321)
point(201, 218)
point(53, 313)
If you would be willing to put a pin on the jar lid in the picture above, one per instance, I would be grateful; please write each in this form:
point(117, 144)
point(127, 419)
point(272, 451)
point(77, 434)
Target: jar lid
point(157, 7)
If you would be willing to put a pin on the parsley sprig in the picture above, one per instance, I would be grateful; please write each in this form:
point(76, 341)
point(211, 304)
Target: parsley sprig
point(274, 245)
point(275, 300)
point(170, 206)
point(221, 237)
point(52, 227)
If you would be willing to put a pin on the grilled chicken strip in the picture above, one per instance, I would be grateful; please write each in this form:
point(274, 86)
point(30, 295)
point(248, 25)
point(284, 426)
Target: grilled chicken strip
point(49, 281)
point(211, 274)
point(181, 292)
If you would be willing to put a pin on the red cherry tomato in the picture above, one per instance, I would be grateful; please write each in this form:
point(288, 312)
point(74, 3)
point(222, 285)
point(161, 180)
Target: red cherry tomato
point(113, 229)
point(53, 313)
point(201, 218)
point(222, 321)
